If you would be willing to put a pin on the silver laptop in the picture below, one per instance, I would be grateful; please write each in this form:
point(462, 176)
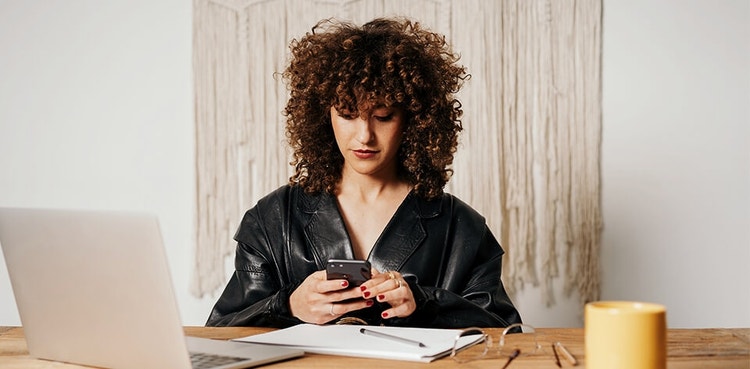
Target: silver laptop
point(94, 288)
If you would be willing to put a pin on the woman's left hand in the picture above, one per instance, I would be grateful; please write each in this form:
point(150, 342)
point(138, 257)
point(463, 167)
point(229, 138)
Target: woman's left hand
point(390, 287)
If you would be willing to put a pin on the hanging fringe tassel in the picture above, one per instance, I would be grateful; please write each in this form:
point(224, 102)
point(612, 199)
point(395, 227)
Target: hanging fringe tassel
point(529, 155)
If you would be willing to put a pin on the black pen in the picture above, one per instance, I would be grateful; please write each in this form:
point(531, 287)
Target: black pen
point(512, 357)
point(557, 358)
point(391, 337)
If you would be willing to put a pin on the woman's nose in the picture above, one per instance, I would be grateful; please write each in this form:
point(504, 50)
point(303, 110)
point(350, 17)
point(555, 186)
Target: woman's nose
point(364, 131)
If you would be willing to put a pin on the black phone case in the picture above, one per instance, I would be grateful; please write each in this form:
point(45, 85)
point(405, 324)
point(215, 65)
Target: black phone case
point(354, 271)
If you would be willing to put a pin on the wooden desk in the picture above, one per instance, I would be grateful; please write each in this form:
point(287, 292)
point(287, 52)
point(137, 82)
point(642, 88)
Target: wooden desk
point(687, 348)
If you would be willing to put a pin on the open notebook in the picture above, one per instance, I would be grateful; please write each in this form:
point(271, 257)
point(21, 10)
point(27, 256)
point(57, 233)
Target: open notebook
point(393, 343)
point(94, 288)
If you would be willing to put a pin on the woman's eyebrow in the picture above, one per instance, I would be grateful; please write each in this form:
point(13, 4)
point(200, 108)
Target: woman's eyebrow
point(382, 107)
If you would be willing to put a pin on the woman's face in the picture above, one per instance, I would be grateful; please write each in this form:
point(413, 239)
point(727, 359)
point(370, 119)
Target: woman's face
point(369, 141)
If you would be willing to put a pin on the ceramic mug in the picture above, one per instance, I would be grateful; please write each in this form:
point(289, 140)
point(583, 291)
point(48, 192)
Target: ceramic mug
point(625, 335)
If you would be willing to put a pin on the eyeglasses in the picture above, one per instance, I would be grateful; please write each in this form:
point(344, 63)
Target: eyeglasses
point(516, 340)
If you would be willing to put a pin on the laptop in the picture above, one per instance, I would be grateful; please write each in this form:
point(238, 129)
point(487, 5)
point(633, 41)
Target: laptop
point(94, 288)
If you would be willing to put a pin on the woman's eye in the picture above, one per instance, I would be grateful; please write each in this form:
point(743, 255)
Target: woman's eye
point(384, 118)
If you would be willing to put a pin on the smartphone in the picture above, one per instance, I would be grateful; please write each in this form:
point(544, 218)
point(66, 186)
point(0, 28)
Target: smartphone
point(354, 271)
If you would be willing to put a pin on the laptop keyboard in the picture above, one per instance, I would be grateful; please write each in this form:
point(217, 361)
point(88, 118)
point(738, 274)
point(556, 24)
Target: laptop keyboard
point(207, 361)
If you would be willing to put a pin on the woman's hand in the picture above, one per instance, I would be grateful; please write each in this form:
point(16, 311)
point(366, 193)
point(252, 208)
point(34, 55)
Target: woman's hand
point(390, 287)
point(318, 300)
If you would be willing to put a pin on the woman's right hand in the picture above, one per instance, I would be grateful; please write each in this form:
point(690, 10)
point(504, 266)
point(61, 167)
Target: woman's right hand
point(318, 300)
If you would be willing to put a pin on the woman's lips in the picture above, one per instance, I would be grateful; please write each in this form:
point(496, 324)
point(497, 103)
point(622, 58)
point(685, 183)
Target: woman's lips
point(364, 154)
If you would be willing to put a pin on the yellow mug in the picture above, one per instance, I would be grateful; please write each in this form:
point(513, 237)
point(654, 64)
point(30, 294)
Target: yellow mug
point(625, 335)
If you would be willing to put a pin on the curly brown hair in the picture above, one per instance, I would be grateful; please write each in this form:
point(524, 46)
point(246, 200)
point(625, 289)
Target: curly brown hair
point(390, 62)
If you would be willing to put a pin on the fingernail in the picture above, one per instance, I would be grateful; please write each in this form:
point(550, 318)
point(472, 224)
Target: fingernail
point(344, 283)
point(381, 297)
point(384, 314)
point(369, 302)
point(367, 294)
point(362, 288)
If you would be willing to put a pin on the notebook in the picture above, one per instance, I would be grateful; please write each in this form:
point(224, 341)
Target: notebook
point(94, 288)
point(392, 343)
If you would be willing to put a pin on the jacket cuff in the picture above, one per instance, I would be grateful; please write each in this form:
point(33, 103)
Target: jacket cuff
point(426, 310)
point(279, 312)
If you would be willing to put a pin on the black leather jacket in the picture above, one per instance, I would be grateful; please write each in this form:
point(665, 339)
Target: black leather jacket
point(443, 248)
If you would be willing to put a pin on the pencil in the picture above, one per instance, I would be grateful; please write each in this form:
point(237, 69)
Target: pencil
point(568, 356)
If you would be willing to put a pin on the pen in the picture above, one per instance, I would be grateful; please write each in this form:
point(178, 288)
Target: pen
point(391, 337)
point(568, 356)
point(557, 358)
point(512, 356)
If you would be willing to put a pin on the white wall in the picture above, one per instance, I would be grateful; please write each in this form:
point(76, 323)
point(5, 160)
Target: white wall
point(96, 112)
point(676, 158)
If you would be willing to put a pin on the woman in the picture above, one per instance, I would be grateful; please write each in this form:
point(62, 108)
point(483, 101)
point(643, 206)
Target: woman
point(373, 123)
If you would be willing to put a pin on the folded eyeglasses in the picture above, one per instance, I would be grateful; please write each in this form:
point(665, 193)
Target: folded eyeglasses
point(516, 340)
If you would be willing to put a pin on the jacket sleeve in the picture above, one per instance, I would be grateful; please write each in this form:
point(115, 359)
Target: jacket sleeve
point(482, 302)
point(256, 294)
point(270, 309)
point(469, 291)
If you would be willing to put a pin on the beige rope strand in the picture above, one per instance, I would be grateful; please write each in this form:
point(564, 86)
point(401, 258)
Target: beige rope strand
point(529, 154)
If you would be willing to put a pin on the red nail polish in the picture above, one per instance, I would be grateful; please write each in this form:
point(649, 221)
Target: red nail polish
point(344, 283)
point(381, 297)
point(369, 302)
point(362, 288)
point(367, 294)
point(384, 315)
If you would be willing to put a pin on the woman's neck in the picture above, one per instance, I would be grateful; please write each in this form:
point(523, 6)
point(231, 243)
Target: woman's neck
point(367, 205)
point(368, 189)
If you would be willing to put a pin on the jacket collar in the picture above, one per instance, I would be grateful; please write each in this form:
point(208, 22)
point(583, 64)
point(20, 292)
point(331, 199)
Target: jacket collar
point(326, 231)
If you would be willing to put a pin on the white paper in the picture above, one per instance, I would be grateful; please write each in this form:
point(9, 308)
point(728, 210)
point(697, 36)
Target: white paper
point(347, 340)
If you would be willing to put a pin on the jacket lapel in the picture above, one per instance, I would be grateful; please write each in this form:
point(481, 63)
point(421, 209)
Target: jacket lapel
point(401, 237)
point(328, 239)
point(325, 229)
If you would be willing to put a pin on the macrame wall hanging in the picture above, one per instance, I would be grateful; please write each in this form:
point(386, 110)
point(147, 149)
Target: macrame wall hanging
point(529, 154)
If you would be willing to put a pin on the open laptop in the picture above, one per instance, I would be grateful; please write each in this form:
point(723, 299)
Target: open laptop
point(94, 288)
